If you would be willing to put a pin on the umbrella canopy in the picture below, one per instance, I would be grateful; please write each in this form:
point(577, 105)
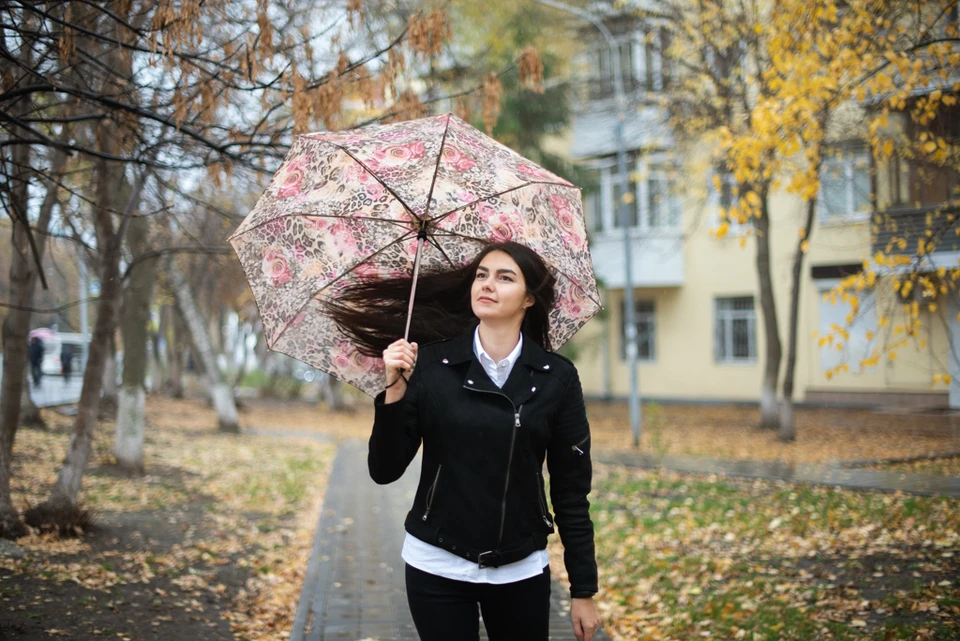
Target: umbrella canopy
point(349, 206)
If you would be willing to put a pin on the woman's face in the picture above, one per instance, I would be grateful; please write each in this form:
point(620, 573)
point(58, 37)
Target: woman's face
point(499, 291)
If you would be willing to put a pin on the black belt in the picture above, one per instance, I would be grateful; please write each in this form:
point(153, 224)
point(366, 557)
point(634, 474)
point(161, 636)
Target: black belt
point(490, 558)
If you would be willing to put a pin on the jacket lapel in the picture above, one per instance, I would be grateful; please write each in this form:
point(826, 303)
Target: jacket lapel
point(519, 386)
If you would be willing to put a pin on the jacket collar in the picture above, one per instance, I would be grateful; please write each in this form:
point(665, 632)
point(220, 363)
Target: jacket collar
point(519, 386)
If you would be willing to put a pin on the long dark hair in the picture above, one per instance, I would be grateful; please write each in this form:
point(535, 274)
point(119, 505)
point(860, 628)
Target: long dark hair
point(373, 314)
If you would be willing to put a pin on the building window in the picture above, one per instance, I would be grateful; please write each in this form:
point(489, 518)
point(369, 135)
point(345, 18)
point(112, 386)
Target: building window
point(646, 321)
point(632, 207)
point(662, 203)
point(845, 186)
point(838, 314)
point(727, 197)
point(654, 198)
point(642, 63)
point(735, 330)
point(593, 199)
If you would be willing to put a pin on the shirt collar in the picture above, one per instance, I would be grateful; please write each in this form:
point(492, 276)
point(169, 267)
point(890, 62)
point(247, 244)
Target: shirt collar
point(482, 354)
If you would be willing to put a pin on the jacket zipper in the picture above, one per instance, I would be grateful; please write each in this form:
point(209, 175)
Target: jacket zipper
point(513, 440)
point(543, 506)
point(433, 490)
point(576, 448)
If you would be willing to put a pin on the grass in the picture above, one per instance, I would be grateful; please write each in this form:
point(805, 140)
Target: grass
point(693, 557)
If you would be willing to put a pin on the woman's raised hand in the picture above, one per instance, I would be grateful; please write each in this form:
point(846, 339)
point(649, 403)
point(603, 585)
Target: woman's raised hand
point(399, 358)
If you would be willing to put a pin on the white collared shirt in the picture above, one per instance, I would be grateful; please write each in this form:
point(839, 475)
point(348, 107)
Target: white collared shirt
point(498, 372)
point(439, 562)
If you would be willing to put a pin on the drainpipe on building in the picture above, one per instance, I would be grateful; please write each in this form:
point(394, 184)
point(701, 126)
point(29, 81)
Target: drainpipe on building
point(629, 305)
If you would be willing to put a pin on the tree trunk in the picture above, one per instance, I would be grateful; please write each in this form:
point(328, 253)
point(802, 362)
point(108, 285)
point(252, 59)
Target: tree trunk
point(334, 395)
point(108, 387)
point(16, 326)
point(174, 382)
point(787, 429)
point(128, 444)
point(220, 392)
point(29, 413)
point(769, 416)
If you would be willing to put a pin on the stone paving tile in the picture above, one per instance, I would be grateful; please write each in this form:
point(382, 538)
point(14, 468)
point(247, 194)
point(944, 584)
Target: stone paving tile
point(354, 586)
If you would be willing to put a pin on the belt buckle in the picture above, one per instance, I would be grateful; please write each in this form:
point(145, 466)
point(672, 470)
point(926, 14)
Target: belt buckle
point(480, 556)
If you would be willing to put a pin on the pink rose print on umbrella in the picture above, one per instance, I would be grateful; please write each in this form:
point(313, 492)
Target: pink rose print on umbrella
point(571, 301)
point(276, 267)
point(293, 181)
point(534, 172)
point(570, 228)
point(367, 271)
point(456, 159)
point(397, 155)
point(317, 227)
point(502, 228)
point(360, 175)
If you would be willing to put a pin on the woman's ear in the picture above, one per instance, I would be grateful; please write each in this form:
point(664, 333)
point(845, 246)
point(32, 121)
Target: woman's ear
point(529, 301)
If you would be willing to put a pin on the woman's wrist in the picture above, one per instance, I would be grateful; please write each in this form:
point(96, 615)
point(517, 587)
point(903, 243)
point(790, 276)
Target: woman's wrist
point(395, 392)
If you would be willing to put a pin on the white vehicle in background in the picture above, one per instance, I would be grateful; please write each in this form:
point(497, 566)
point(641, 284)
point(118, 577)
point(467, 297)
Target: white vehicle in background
point(54, 343)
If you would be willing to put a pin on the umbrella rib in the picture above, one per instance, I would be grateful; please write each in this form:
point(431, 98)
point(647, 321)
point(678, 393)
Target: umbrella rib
point(559, 271)
point(499, 193)
point(399, 223)
point(436, 169)
point(434, 242)
point(377, 178)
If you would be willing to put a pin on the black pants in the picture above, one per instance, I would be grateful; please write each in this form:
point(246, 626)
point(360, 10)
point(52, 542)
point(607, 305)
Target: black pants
point(446, 610)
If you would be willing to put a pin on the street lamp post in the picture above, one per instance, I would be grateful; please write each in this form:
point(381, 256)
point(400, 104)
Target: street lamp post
point(629, 306)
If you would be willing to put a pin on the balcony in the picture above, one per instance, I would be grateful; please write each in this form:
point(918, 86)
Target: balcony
point(657, 256)
point(912, 223)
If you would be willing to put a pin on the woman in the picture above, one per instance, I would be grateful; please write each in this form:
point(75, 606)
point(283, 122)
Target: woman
point(489, 405)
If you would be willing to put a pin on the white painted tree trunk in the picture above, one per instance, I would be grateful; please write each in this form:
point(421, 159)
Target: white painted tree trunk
point(131, 400)
point(128, 444)
point(220, 392)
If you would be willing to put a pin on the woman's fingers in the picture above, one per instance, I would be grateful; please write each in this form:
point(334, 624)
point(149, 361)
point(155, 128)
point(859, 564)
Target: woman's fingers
point(400, 355)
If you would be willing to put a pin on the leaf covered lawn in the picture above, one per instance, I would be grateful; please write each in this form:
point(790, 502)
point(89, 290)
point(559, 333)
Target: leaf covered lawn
point(694, 557)
point(211, 543)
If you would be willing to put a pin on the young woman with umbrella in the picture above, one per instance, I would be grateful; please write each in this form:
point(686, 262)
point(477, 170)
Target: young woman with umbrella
point(489, 401)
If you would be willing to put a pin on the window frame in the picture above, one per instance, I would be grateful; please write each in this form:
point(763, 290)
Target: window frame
point(727, 318)
point(848, 158)
point(650, 320)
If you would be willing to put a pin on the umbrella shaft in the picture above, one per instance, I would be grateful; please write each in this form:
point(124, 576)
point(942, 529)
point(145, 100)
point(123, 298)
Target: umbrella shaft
point(413, 288)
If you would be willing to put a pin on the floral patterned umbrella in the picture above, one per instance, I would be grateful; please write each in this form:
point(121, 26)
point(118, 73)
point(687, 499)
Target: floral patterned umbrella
point(390, 200)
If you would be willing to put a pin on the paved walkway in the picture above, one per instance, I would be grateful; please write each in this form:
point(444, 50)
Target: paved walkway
point(860, 479)
point(354, 586)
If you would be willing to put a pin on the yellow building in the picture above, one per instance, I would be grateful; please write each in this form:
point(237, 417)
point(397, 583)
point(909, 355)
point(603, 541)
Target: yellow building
point(699, 327)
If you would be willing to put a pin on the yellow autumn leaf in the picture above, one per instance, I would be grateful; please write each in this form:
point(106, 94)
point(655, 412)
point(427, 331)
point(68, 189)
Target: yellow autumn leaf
point(805, 246)
point(752, 199)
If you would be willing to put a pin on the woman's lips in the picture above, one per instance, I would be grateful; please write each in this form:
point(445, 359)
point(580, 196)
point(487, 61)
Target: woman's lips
point(484, 299)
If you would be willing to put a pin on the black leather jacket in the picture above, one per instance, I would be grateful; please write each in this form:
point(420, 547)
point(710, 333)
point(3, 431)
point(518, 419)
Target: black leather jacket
point(481, 492)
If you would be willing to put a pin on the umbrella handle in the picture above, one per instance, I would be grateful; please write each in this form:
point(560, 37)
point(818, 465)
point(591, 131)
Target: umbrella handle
point(413, 286)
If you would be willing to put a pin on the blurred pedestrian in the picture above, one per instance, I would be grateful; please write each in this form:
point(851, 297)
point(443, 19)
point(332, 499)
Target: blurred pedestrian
point(36, 360)
point(66, 363)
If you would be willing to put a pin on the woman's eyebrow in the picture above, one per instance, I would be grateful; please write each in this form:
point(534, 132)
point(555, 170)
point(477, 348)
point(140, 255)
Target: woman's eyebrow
point(499, 271)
